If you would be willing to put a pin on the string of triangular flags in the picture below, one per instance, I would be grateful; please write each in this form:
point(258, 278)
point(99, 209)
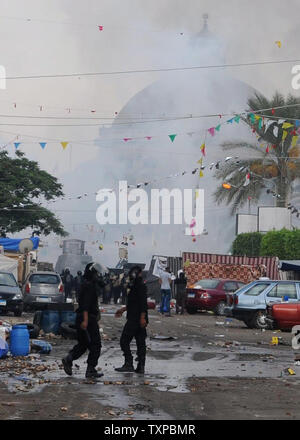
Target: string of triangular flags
point(42, 144)
point(294, 210)
point(254, 117)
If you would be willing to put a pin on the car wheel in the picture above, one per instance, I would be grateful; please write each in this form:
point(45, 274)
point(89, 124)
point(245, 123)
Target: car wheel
point(33, 329)
point(220, 309)
point(191, 310)
point(68, 330)
point(259, 320)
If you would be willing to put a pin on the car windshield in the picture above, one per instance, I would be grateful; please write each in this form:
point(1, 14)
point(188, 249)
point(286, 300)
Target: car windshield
point(207, 284)
point(7, 279)
point(44, 279)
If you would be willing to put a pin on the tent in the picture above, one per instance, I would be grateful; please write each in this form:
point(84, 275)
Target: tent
point(289, 265)
point(9, 265)
point(12, 244)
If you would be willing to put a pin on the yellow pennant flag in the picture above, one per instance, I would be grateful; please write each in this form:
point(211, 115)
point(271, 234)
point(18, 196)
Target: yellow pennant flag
point(257, 117)
point(285, 133)
point(196, 194)
point(200, 161)
point(201, 174)
point(64, 145)
point(294, 141)
point(287, 125)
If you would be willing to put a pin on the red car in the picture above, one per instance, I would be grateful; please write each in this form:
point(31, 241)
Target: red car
point(210, 294)
point(284, 315)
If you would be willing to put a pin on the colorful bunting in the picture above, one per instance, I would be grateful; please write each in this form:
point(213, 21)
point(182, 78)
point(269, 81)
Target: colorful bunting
point(16, 144)
point(287, 125)
point(212, 131)
point(202, 148)
point(237, 119)
point(218, 127)
point(294, 141)
point(252, 118)
point(64, 145)
point(172, 137)
point(247, 181)
point(43, 144)
point(100, 28)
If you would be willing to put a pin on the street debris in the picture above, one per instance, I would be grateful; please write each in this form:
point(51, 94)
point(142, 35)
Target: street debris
point(163, 338)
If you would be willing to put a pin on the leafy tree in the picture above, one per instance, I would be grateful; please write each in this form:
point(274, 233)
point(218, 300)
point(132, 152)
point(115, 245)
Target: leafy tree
point(274, 170)
point(247, 244)
point(23, 184)
point(283, 244)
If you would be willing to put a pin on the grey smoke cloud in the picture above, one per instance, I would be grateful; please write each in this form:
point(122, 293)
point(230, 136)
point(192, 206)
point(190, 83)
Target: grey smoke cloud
point(139, 35)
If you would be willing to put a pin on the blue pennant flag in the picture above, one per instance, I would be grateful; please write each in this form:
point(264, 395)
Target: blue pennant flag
point(16, 144)
point(43, 144)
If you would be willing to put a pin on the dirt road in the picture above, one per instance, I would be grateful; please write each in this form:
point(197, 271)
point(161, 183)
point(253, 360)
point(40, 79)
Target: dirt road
point(198, 367)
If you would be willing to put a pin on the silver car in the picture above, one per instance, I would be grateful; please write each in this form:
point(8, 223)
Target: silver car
point(41, 288)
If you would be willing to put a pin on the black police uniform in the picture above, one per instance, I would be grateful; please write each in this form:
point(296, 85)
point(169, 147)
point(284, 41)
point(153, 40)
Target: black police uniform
point(90, 338)
point(136, 305)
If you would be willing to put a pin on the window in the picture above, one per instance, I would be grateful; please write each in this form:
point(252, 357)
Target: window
point(44, 279)
point(240, 284)
point(257, 289)
point(208, 284)
point(230, 286)
point(284, 289)
point(7, 279)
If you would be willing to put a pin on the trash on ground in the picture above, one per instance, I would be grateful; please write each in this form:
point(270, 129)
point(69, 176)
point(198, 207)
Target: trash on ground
point(40, 346)
point(163, 338)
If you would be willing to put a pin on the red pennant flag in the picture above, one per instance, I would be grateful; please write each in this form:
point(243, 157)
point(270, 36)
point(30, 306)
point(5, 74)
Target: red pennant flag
point(127, 139)
point(267, 150)
point(273, 111)
point(100, 28)
point(149, 138)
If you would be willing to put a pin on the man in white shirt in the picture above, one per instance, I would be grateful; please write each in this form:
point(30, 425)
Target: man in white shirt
point(165, 288)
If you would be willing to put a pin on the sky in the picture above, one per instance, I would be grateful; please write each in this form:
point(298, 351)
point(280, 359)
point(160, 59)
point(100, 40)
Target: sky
point(62, 37)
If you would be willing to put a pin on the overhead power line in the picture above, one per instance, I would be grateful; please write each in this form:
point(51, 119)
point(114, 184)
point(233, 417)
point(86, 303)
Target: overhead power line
point(170, 69)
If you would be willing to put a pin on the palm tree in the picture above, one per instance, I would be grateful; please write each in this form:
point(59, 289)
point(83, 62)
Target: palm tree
point(275, 165)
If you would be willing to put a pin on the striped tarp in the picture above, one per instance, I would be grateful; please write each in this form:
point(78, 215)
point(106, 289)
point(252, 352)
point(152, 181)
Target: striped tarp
point(267, 266)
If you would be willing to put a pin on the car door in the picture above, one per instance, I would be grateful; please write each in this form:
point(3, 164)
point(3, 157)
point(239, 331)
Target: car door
point(254, 296)
point(281, 291)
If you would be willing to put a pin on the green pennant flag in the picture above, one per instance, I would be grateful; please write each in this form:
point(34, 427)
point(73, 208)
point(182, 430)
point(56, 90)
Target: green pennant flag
point(172, 137)
point(260, 122)
point(218, 127)
point(237, 119)
point(252, 118)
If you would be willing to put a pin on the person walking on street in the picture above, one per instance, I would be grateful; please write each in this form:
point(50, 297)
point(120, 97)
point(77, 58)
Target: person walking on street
point(68, 282)
point(165, 288)
point(137, 321)
point(88, 334)
point(180, 286)
point(78, 280)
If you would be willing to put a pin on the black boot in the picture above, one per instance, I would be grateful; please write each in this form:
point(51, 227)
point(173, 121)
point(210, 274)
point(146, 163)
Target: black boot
point(91, 372)
point(67, 364)
point(140, 369)
point(127, 367)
